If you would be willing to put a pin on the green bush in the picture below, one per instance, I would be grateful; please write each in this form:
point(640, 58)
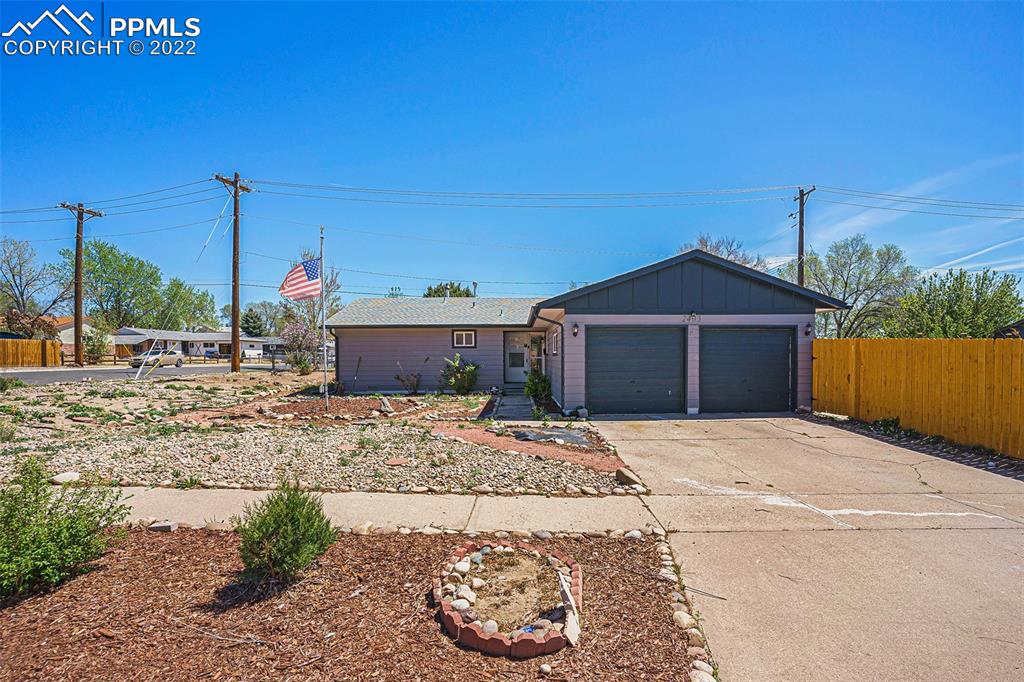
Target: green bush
point(283, 533)
point(538, 386)
point(458, 375)
point(7, 383)
point(7, 432)
point(301, 362)
point(48, 534)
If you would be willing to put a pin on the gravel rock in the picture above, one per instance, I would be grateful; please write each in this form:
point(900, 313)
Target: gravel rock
point(462, 567)
point(701, 676)
point(489, 627)
point(627, 477)
point(542, 534)
point(545, 668)
point(633, 535)
point(684, 620)
point(460, 604)
point(701, 665)
point(66, 477)
point(694, 637)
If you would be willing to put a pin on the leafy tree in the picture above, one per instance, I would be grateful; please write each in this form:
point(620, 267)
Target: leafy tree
point(225, 315)
point(729, 248)
point(957, 305)
point(30, 291)
point(182, 307)
point(120, 290)
point(272, 315)
point(252, 324)
point(395, 292)
point(308, 311)
point(96, 343)
point(870, 280)
point(454, 290)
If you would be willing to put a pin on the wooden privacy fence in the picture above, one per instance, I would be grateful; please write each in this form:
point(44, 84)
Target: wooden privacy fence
point(970, 391)
point(29, 353)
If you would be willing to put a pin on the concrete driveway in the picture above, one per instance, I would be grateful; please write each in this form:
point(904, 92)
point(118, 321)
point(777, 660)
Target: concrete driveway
point(833, 556)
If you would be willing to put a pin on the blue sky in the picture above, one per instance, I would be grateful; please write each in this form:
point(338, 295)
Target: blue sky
point(914, 98)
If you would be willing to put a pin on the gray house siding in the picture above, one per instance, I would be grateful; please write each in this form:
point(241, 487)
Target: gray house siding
point(553, 359)
point(368, 359)
point(690, 286)
point(574, 348)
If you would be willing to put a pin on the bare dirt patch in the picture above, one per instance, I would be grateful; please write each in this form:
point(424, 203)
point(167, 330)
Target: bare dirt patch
point(168, 607)
point(519, 589)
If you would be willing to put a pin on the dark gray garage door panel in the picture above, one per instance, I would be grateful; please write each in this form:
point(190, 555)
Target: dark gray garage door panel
point(746, 370)
point(633, 370)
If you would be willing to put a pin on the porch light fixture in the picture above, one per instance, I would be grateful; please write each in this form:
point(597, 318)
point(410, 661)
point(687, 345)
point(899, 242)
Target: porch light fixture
point(807, 329)
point(575, 329)
point(693, 316)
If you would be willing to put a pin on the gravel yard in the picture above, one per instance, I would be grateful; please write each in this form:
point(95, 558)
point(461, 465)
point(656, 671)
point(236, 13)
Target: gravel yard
point(378, 456)
point(165, 606)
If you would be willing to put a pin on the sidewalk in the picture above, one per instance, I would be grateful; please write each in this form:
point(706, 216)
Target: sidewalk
point(461, 512)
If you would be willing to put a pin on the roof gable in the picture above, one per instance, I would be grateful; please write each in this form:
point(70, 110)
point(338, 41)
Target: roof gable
point(694, 281)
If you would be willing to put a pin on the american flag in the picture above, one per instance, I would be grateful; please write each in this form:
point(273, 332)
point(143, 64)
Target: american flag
point(302, 281)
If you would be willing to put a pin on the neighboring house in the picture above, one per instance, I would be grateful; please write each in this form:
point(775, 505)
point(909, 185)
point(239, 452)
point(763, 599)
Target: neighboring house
point(131, 340)
point(1010, 331)
point(692, 333)
point(65, 325)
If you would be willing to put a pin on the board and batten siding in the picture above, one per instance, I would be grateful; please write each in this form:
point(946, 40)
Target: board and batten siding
point(574, 348)
point(368, 358)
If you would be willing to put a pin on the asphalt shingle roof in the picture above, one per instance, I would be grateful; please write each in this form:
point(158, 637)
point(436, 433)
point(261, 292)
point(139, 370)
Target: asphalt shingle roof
point(424, 312)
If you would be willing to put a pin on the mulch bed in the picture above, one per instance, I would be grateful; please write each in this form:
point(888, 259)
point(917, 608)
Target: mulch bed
point(166, 606)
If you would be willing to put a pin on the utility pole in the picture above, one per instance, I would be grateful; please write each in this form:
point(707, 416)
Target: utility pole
point(236, 187)
point(80, 212)
point(802, 198)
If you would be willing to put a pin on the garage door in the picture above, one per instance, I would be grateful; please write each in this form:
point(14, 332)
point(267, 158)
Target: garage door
point(632, 370)
point(746, 370)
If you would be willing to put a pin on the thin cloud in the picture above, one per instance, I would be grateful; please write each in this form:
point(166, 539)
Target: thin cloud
point(992, 247)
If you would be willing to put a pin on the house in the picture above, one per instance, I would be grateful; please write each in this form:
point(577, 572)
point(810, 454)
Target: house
point(693, 333)
point(1010, 331)
point(65, 325)
point(131, 340)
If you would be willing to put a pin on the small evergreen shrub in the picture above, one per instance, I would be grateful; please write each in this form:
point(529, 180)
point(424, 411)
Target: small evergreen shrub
point(7, 432)
point(283, 533)
point(538, 386)
point(459, 375)
point(49, 534)
point(301, 362)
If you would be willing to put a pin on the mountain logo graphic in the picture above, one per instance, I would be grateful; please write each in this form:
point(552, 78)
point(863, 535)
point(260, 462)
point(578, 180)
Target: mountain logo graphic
point(27, 28)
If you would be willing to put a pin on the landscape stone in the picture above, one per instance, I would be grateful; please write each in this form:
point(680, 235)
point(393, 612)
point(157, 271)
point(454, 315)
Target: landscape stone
point(489, 627)
point(163, 526)
point(684, 620)
point(66, 477)
point(633, 535)
point(701, 676)
point(463, 567)
point(542, 535)
point(701, 665)
point(460, 604)
point(624, 475)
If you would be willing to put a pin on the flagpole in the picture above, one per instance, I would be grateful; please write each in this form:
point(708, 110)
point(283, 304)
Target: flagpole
point(323, 313)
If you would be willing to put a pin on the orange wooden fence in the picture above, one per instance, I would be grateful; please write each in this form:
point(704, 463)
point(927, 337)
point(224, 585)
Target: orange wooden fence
point(970, 391)
point(29, 353)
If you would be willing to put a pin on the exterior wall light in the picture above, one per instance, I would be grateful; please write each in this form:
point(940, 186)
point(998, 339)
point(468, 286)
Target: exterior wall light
point(575, 329)
point(807, 329)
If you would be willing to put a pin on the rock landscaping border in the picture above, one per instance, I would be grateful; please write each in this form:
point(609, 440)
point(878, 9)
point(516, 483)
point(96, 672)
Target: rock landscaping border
point(477, 635)
point(683, 614)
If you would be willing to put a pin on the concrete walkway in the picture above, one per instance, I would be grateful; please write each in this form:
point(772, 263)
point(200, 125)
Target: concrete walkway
point(514, 407)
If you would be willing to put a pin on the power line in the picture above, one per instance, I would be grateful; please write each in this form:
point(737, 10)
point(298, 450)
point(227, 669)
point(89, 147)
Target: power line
point(557, 206)
point(914, 210)
point(171, 196)
point(160, 208)
point(126, 234)
point(39, 220)
point(155, 191)
point(31, 210)
point(419, 277)
point(460, 242)
point(523, 195)
point(953, 203)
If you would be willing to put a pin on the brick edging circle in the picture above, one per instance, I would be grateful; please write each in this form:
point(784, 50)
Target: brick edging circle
point(471, 635)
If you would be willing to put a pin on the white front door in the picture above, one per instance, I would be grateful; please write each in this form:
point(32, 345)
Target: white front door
point(517, 358)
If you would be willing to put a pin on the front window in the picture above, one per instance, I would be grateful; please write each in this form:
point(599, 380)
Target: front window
point(554, 343)
point(463, 338)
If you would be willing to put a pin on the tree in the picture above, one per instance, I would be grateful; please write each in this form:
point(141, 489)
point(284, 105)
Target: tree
point(300, 344)
point(225, 314)
point(252, 324)
point(395, 292)
point(454, 290)
point(272, 315)
point(120, 290)
point(96, 343)
point(308, 311)
point(957, 305)
point(30, 291)
point(870, 280)
point(729, 248)
point(182, 307)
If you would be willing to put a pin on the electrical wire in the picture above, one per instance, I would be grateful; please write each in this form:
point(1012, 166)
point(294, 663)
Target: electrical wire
point(160, 208)
point(145, 194)
point(126, 234)
point(914, 210)
point(522, 195)
point(558, 206)
point(172, 196)
point(31, 210)
point(459, 242)
point(40, 220)
point(951, 203)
